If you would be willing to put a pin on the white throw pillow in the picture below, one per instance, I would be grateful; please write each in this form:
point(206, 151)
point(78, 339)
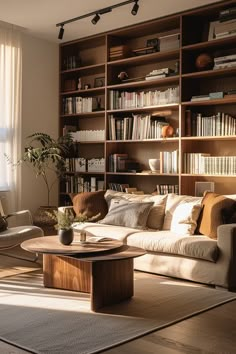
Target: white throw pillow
point(185, 216)
point(173, 200)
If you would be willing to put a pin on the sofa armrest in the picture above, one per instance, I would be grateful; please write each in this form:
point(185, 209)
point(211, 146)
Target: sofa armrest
point(226, 240)
point(20, 218)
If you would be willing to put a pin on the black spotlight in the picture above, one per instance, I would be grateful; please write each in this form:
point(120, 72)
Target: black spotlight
point(61, 32)
point(135, 8)
point(95, 19)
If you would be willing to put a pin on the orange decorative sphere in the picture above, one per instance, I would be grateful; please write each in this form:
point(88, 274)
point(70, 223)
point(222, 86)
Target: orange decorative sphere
point(204, 62)
point(167, 131)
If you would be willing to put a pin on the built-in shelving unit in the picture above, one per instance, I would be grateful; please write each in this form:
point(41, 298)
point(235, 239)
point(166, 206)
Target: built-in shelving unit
point(90, 71)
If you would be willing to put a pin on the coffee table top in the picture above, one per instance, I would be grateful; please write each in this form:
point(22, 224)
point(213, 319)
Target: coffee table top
point(92, 251)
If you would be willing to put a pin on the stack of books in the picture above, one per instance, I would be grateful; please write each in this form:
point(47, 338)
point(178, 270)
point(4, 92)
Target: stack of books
point(159, 73)
point(169, 42)
point(226, 61)
point(225, 29)
point(227, 14)
point(118, 52)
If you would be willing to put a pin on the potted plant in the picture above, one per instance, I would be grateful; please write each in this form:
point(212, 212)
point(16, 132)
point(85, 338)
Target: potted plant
point(46, 156)
point(64, 221)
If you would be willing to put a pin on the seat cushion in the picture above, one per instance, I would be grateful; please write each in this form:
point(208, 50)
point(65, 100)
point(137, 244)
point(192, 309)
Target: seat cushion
point(200, 247)
point(16, 235)
point(117, 232)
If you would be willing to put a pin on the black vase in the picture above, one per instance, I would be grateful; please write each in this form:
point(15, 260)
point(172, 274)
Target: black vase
point(66, 236)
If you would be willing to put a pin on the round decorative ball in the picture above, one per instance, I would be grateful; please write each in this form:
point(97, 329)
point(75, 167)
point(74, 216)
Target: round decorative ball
point(204, 62)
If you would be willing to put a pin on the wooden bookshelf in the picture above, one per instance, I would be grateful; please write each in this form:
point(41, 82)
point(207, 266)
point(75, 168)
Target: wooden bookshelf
point(92, 58)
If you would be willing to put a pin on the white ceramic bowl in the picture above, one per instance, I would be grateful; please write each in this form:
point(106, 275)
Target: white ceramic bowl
point(154, 164)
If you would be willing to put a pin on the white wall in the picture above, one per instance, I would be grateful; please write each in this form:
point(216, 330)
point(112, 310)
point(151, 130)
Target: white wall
point(39, 109)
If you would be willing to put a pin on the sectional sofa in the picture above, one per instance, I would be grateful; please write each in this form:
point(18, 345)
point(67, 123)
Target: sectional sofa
point(184, 237)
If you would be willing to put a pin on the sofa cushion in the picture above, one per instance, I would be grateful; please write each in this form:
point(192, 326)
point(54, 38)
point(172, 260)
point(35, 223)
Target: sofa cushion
point(157, 212)
point(212, 216)
point(201, 247)
point(185, 217)
point(90, 203)
point(173, 200)
point(96, 229)
point(125, 213)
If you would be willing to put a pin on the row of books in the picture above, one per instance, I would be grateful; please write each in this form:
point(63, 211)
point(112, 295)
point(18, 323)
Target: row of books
point(118, 162)
point(220, 124)
point(137, 127)
point(80, 164)
point(78, 184)
point(77, 104)
point(118, 52)
point(167, 188)
point(169, 161)
point(204, 163)
point(71, 62)
point(125, 99)
point(225, 29)
point(88, 135)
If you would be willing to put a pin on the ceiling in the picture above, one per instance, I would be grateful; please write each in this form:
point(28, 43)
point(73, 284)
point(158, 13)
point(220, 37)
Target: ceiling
point(39, 17)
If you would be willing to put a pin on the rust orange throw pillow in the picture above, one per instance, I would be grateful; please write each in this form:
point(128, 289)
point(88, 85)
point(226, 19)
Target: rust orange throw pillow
point(213, 204)
point(90, 203)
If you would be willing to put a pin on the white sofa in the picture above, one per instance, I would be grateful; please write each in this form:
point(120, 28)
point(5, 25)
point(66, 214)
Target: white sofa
point(172, 249)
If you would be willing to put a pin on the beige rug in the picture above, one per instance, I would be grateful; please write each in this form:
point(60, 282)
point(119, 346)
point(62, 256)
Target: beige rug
point(56, 321)
point(11, 266)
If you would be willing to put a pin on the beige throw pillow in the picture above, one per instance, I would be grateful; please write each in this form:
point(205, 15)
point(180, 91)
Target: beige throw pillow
point(129, 214)
point(185, 216)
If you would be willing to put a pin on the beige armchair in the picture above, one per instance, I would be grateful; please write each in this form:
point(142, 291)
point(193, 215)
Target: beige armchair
point(20, 228)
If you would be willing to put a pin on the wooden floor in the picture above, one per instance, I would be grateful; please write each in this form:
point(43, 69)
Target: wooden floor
point(213, 331)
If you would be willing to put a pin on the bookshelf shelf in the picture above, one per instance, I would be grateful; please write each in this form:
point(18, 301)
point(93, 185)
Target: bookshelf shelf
point(106, 55)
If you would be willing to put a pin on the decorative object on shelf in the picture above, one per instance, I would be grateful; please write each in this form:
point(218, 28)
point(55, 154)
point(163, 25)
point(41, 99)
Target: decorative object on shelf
point(204, 61)
point(45, 154)
point(87, 86)
point(79, 84)
point(99, 82)
point(123, 75)
point(154, 165)
point(167, 131)
point(154, 43)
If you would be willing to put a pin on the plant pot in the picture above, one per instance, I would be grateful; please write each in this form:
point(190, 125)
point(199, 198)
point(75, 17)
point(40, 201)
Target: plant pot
point(66, 236)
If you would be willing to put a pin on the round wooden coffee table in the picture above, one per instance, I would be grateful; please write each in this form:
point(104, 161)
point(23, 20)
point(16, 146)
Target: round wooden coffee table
point(103, 269)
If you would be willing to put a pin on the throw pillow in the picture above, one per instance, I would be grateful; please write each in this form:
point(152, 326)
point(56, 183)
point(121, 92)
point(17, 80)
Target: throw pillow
point(129, 214)
point(90, 203)
point(173, 200)
point(157, 212)
point(212, 217)
point(185, 216)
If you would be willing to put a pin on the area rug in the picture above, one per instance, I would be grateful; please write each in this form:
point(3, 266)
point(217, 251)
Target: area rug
point(55, 321)
point(11, 266)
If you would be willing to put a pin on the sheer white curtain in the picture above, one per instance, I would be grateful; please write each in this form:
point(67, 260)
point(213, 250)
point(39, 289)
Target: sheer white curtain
point(10, 112)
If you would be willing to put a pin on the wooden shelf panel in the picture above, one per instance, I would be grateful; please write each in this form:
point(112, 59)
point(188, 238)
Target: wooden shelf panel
point(145, 141)
point(85, 114)
point(90, 69)
point(84, 173)
point(91, 91)
point(146, 83)
point(211, 73)
point(173, 106)
point(147, 58)
point(215, 43)
point(144, 174)
point(221, 101)
point(208, 175)
point(210, 138)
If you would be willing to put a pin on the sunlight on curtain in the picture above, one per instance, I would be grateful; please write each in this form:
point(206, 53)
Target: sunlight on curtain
point(10, 112)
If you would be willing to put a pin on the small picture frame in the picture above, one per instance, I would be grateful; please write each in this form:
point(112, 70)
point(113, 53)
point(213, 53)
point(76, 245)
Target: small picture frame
point(99, 82)
point(152, 42)
point(202, 187)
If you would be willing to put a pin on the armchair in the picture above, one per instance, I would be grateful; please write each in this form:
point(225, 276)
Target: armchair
point(20, 228)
